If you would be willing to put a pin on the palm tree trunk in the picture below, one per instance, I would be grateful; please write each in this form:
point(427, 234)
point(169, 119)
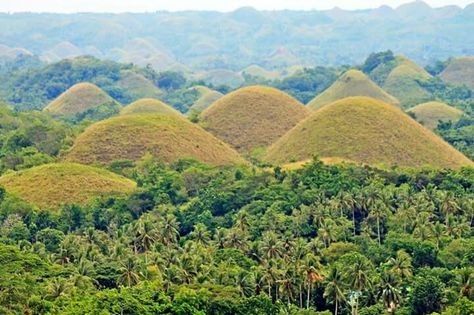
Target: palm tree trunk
point(354, 221)
point(378, 230)
point(308, 296)
point(335, 307)
point(301, 295)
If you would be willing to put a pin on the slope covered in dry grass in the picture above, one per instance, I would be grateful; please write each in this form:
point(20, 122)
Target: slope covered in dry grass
point(53, 185)
point(77, 99)
point(168, 138)
point(365, 130)
point(253, 117)
point(149, 105)
point(351, 83)
point(431, 113)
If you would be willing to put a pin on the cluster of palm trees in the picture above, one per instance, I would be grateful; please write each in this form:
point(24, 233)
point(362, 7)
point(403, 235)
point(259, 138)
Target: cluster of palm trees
point(284, 256)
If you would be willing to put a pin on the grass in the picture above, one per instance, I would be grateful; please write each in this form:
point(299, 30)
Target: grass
point(205, 99)
point(431, 113)
point(168, 138)
point(149, 105)
point(257, 71)
point(52, 185)
point(351, 83)
point(78, 99)
point(138, 86)
point(403, 83)
point(253, 117)
point(460, 72)
point(368, 131)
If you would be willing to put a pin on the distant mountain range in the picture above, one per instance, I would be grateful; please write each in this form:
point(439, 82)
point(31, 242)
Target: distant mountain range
point(204, 40)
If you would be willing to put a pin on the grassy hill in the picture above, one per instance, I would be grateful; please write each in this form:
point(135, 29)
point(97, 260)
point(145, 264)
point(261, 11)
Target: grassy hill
point(253, 117)
point(351, 83)
point(404, 83)
point(53, 185)
point(78, 99)
point(431, 113)
point(137, 86)
point(149, 105)
point(460, 71)
point(257, 71)
point(168, 138)
point(222, 77)
point(206, 97)
point(365, 130)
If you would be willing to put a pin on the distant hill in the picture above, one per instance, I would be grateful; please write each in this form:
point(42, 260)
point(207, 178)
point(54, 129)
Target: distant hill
point(206, 97)
point(274, 39)
point(53, 185)
point(365, 130)
point(168, 138)
point(258, 71)
point(222, 77)
point(137, 86)
point(78, 99)
point(404, 83)
point(253, 117)
point(149, 105)
point(431, 113)
point(460, 71)
point(351, 83)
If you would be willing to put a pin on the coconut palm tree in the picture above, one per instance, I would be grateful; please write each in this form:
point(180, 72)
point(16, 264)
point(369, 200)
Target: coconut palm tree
point(388, 292)
point(400, 265)
point(200, 234)
point(334, 285)
point(130, 273)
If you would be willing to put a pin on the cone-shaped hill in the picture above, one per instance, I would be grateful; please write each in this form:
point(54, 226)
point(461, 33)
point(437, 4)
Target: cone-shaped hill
point(253, 117)
point(206, 97)
point(53, 185)
point(404, 83)
point(351, 83)
point(431, 113)
point(78, 99)
point(365, 130)
point(460, 71)
point(149, 105)
point(168, 138)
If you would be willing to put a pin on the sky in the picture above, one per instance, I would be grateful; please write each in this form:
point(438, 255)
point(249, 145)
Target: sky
point(70, 6)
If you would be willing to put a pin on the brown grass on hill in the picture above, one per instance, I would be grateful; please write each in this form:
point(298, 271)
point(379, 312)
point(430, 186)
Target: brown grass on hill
point(77, 99)
point(253, 117)
point(52, 185)
point(365, 130)
point(352, 83)
point(431, 113)
point(168, 138)
point(460, 71)
point(149, 105)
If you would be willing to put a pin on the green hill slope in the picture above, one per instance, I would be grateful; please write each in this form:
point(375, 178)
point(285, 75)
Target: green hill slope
point(78, 99)
point(351, 83)
point(206, 97)
point(53, 185)
point(365, 130)
point(168, 138)
point(460, 71)
point(253, 117)
point(431, 113)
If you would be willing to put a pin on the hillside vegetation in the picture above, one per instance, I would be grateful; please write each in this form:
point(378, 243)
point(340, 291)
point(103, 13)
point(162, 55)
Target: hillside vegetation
point(206, 97)
point(351, 83)
point(79, 98)
point(149, 105)
point(51, 186)
point(432, 113)
point(253, 117)
point(460, 71)
point(405, 83)
point(168, 138)
point(365, 130)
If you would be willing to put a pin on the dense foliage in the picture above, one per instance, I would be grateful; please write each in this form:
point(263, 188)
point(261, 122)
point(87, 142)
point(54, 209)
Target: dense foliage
point(201, 240)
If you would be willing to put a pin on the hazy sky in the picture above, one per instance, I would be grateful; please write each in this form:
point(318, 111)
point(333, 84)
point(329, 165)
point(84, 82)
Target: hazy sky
point(176, 5)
